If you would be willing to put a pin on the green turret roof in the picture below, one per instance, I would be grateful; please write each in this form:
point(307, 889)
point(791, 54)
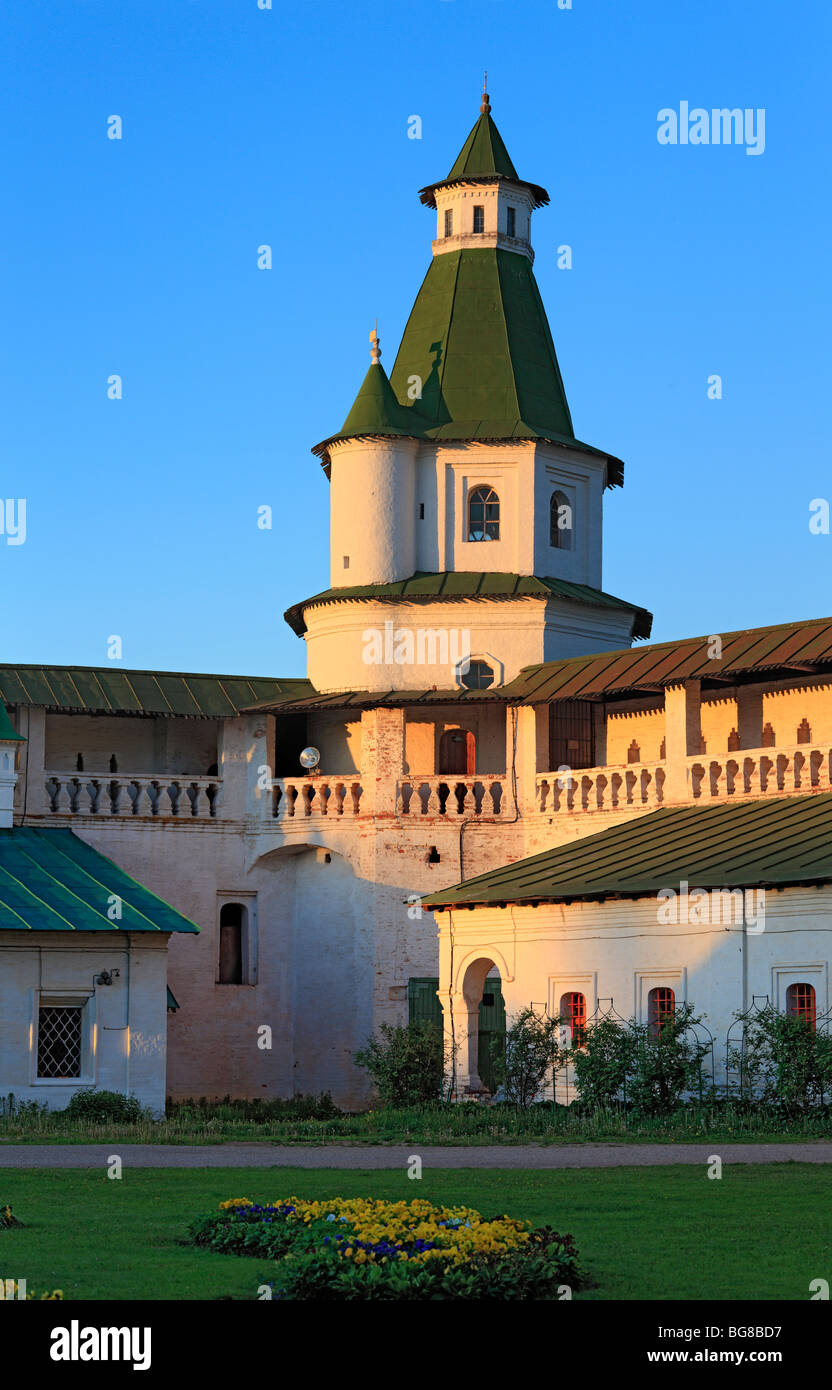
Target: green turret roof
point(8, 733)
point(376, 410)
point(483, 153)
point(477, 340)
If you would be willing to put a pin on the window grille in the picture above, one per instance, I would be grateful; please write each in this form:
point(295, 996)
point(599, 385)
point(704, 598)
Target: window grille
point(573, 1011)
point(571, 741)
point(479, 219)
point(59, 1041)
point(661, 1006)
point(449, 222)
point(800, 1003)
point(511, 221)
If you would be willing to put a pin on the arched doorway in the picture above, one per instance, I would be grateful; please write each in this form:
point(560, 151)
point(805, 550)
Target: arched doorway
point(457, 753)
point(482, 1025)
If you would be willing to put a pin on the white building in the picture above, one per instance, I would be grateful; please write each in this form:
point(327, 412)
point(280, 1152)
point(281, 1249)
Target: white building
point(473, 694)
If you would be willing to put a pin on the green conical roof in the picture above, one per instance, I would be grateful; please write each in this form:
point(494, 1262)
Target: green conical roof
point(7, 732)
point(483, 154)
point(376, 410)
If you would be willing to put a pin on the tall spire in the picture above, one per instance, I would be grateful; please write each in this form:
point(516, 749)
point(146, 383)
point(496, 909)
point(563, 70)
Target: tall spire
point(485, 106)
point(375, 346)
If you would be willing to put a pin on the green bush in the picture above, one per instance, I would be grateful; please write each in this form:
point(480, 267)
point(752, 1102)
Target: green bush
point(602, 1064)
point(525, 1056)
point(103, 1107)
point(782, 1061)
point(407, 1065)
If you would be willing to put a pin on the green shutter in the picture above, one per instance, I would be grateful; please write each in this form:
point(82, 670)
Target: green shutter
point(423, 1004)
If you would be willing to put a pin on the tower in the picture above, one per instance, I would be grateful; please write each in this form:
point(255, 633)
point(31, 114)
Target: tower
point(461, 500)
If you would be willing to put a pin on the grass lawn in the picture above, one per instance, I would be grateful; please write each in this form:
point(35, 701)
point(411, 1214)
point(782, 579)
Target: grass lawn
point(761, 1232)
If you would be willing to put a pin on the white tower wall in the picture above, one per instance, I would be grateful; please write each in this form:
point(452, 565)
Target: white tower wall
point(372, 510)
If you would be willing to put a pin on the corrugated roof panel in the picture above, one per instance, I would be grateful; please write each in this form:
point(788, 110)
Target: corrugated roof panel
point(209, 696)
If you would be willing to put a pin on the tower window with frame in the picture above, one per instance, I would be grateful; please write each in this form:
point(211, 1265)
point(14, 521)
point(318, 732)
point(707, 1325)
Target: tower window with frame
point(233, 922)
point(800, 1003)
point(571, 734)
point(479, 218)
point(483, 515)
point(511, 221)
point(449, 222)
point(661, 1008)
point(573, 1012)
point(560, 521)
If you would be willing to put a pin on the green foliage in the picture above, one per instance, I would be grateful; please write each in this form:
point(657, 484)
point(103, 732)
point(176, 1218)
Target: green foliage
point(781, 1061)
point(102, 1106)
point(601, 1066)
point(650, 1068)
point(7, 1217)
point(257, 1112)
point(526, 1055)
point(407, 1065)
point(667, 1063)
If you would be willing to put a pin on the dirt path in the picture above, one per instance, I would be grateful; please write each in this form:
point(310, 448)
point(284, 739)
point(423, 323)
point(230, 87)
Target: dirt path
point(264, 1155)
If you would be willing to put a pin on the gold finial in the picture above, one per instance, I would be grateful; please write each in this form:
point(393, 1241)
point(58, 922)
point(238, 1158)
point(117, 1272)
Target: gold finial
point(485, 106)
point(375, 350)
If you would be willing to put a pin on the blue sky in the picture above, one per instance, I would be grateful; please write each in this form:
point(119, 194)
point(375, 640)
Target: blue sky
point(244, 126)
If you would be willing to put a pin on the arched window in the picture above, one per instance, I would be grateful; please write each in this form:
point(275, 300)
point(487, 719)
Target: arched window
point(661, 1006)
point(560, 521)
point(483, 515)
point(800, 1003)
point(232, 929)
point(573, 1012)
point(479, 676)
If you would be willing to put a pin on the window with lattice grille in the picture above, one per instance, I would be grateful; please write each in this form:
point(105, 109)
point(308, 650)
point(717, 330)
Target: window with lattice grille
point(573, 1012)
point(661, 1006)
point(59, 1041)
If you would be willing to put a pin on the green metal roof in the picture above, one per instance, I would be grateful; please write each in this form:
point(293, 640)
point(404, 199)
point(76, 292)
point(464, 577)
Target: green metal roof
point(483, 158)
point(50, 880)
point(8, 734)
point(456, 584)
point(756, 653)
point(375, 410)
point(113, 690)
point(753, 843)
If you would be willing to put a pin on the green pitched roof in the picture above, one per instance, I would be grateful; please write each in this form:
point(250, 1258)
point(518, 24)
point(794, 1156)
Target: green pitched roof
point(115, 690)
point(753, 843)
point(8, 733)
point(461, 584)
point(50, 880)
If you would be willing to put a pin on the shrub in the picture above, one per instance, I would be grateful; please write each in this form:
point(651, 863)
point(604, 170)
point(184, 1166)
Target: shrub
point(407, 1064)
point(102, 1107)
point(782, 1060)
point(522, 1059)
point(667, 1063)
point(601, 1066)
point(7, 1217)
point(362, 1248)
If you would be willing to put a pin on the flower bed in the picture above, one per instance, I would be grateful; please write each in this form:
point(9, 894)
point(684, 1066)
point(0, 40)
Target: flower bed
point(366, 1248)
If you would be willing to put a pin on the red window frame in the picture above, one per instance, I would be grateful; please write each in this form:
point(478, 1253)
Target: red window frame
point(661, 1005)
point(573, 1009)
point(801, 1002)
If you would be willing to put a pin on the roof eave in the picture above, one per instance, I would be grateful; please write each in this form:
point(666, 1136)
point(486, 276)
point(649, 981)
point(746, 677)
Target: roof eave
point(427, 195)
